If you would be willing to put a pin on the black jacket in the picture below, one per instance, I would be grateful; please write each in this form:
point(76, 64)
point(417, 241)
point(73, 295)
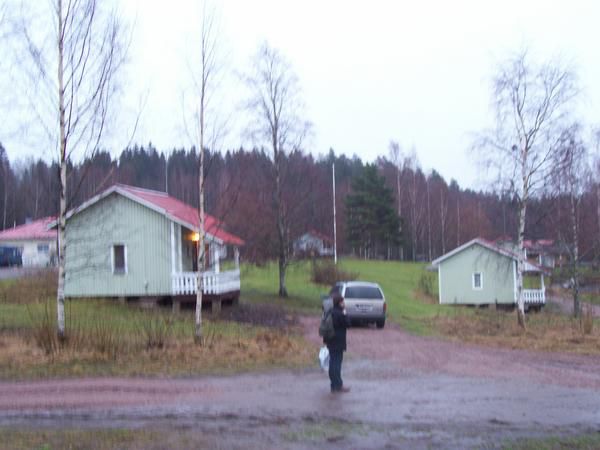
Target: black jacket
point(340, 323)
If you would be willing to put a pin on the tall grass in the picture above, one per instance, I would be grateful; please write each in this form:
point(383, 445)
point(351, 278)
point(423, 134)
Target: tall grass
point(43, 328)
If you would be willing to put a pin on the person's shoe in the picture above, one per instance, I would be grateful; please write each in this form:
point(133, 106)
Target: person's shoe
point(344, 389)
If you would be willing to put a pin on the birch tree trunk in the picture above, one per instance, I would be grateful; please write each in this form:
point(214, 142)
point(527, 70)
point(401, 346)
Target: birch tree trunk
point(208, 67)
point(62, 245)
point(575, 262)
point(521, 262)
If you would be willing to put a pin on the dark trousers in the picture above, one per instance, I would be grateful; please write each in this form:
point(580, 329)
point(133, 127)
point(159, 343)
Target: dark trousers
point(335, 369)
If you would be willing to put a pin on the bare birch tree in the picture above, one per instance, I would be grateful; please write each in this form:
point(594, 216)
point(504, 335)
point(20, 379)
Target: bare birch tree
point(572, 181)
point(531, 102)
point(277, 105)
point(416, 206)
point(75, 49)
point(397, 160)
point(204, 86)
point(443, 216)
point(596, 143)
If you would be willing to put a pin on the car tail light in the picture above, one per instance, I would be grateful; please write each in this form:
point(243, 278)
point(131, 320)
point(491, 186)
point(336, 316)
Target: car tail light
point(384, 307)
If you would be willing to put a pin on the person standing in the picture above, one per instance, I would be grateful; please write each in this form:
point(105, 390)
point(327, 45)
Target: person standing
point(337, 345)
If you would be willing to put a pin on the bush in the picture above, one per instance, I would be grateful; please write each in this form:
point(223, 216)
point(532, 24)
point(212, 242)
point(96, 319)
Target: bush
point(425, 284)
point(157, 329)
point(43, 329)
point(327, 273)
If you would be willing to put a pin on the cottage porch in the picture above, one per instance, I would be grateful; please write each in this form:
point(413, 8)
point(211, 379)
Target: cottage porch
point(535, 298)
point(217, 284)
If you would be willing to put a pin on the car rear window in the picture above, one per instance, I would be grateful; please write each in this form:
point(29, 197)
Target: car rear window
point(363, 292)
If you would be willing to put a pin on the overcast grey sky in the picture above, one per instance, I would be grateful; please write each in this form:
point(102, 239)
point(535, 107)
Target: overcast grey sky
point(415, 72)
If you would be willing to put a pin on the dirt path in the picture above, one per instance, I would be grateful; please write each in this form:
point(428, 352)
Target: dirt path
point(407, 392)
point(565, 304)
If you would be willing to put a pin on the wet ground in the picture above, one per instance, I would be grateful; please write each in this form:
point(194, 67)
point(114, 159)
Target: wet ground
point(406, 392)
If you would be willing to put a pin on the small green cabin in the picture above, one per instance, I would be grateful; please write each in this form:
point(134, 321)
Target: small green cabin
point(133, 242)
point(481, 273)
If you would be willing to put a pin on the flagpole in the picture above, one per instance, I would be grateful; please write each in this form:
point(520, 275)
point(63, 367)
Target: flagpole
point(334, 221)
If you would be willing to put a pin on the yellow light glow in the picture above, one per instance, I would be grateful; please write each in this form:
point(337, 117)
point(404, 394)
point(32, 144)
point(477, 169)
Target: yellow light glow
point(195, 237)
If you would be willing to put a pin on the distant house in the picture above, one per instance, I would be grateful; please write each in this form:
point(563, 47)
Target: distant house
point(34, 241)
point(546, 252)
point(482, 273)
point(313, 243)
point(133, 242)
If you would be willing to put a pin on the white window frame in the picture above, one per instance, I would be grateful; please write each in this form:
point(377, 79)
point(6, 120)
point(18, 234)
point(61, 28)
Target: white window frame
point(112, 259)
point(45, 248)
point(480, 287)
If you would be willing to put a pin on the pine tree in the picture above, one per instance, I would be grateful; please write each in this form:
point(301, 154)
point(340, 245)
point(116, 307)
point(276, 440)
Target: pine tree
point(372, 222)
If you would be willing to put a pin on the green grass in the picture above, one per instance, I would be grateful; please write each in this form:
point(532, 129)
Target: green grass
point(260, 285)
point(100, 439)
point(589, 441)
point(592, 298)
point(399, 281)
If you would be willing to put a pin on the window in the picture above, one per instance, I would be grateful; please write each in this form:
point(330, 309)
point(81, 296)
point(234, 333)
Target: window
point(363, 292)
point(119, 258)
point(43, 248)
point(477, 280)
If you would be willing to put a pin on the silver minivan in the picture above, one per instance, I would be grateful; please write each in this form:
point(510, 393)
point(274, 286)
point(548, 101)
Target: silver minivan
point(364, 301)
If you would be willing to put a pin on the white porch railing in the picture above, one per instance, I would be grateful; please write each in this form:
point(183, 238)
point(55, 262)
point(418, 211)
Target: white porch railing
point(185, 283)
point(534, 296)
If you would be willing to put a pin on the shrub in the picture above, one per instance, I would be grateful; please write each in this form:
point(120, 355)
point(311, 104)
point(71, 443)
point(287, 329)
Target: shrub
point(157, 329)
point(105, 337)
point(43, 329)
point(327, 273)
point(425, 284)
point(586, 319)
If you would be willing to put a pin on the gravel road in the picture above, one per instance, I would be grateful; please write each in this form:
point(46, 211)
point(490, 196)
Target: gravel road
point(406, 392)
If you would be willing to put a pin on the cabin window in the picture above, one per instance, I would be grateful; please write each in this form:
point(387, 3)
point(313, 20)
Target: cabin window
point(477, 280)
point(43, 248)
point(119, 258)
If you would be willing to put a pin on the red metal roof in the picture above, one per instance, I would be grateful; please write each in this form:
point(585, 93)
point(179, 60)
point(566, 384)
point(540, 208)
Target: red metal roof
point(183, 212)
point(321, 236)
point(37, 230)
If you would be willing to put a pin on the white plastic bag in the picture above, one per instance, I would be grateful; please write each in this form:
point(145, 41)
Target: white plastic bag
point(324, 358)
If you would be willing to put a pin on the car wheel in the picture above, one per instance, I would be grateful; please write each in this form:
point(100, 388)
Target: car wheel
point(380, 323)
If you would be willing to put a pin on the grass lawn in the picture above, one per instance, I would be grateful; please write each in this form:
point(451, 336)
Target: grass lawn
point(399, 281)
point(418, 312)
point(593, 298)
point(589, 441)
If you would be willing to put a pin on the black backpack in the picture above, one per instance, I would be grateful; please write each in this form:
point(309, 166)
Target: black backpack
point(326, 330)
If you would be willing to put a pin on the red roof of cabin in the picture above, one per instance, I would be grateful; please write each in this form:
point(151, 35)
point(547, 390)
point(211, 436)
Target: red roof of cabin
point(321, 236)
point(183, 212)
point(37, 230)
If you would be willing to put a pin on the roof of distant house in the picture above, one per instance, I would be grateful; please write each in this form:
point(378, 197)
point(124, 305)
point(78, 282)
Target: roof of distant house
point(169, 206)
point(528, 266)
point(36, 230)
point(319, 235)
point(539, 243)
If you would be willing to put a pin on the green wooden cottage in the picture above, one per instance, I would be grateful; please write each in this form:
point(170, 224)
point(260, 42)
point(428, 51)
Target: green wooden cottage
point(132, 242)
point(481, 273)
